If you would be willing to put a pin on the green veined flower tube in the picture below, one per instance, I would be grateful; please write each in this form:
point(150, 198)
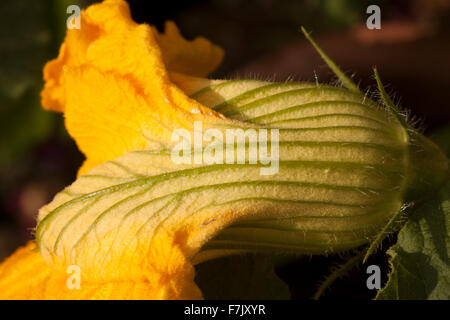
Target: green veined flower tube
point(345, 168)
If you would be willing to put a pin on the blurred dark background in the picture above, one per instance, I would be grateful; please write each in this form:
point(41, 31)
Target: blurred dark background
point(261, 39)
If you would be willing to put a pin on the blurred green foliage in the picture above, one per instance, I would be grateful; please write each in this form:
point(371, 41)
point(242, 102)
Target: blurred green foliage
point(30, 34)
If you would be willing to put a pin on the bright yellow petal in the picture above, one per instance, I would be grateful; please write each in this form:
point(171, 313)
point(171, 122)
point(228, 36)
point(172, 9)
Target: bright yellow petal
point(112, 83)
point(25, 275)
point(197, 58)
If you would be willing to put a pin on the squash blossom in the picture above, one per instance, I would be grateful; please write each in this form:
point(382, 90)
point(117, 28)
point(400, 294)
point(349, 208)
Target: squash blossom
point(135, 223)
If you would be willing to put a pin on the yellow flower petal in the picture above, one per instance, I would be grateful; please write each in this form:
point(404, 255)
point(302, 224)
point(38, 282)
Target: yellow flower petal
point(111, 81)
point(197, 58)
point(25, 275)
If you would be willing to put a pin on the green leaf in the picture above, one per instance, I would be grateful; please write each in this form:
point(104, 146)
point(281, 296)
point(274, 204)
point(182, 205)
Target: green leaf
point(241, 277)
point(420, 259)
